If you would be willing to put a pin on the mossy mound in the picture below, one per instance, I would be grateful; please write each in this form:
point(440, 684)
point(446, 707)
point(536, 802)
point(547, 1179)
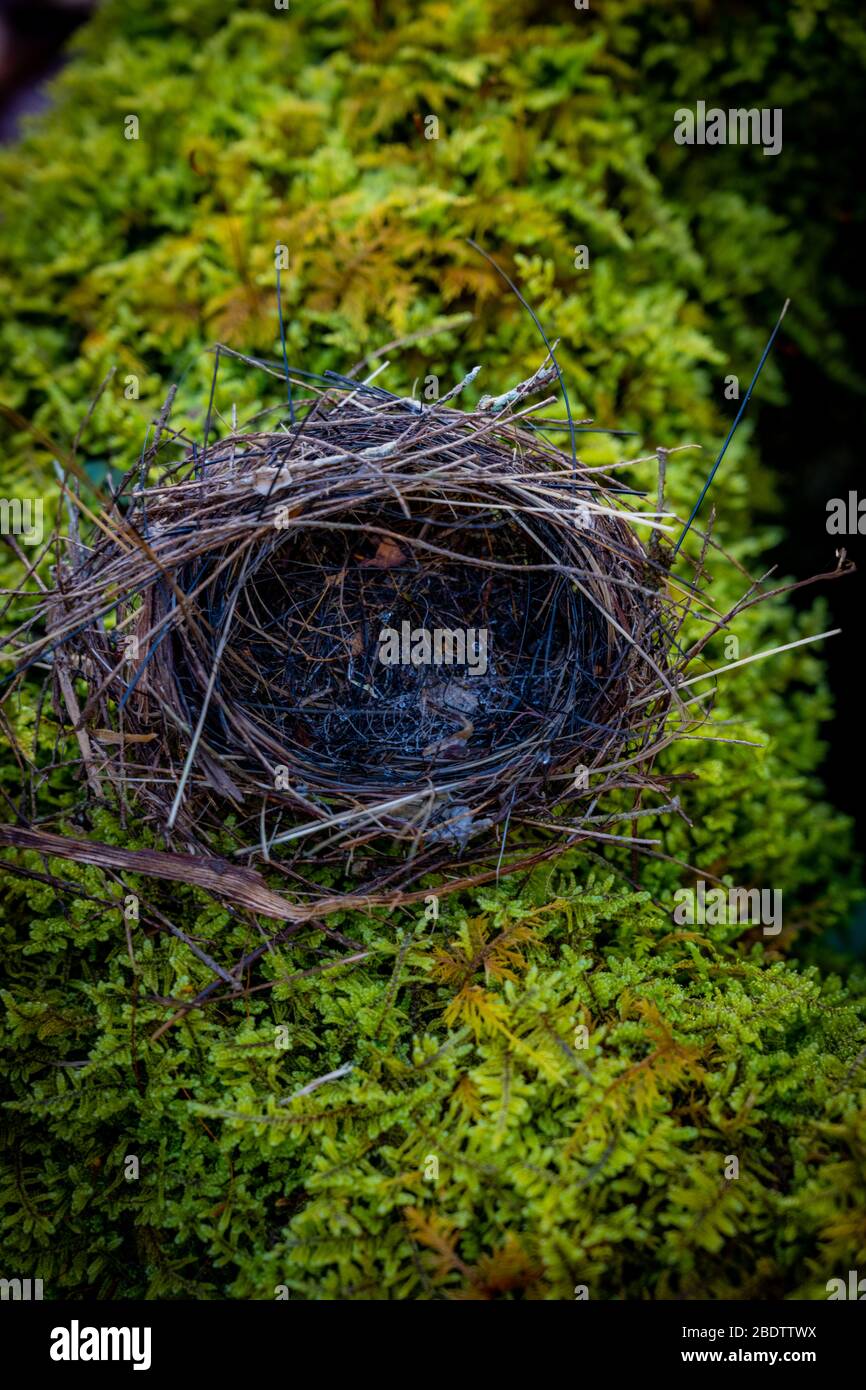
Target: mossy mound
point(544, 1089)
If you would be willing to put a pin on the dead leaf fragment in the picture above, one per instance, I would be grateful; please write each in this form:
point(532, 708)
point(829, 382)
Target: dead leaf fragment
point(388, 554)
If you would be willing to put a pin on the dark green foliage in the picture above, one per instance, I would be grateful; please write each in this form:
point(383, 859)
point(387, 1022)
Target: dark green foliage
point(558, 1165)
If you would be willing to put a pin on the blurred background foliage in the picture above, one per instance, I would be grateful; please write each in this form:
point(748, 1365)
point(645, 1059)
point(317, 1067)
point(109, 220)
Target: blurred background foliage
point(307, 127)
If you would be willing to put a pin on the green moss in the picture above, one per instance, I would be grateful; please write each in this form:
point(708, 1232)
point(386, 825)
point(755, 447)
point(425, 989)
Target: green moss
point(558, 1165)
point(482, 1142)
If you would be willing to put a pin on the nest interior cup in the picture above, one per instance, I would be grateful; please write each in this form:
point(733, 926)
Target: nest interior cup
point(387, 620)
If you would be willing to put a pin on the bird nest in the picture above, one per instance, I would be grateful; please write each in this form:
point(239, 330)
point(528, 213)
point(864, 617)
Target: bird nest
point(397, 636)
point(383, 640)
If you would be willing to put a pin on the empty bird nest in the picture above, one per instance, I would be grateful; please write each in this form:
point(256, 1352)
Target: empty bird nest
point(396, 636)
